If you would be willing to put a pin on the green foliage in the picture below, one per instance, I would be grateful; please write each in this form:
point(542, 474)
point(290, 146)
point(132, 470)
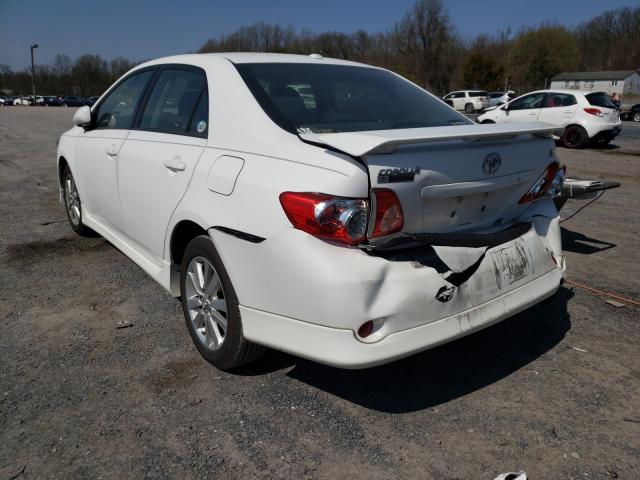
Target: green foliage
point(538, 54)
point(482, 71)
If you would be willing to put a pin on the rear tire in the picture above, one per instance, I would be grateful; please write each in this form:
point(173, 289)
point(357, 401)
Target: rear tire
point(468, 108)
point(484, 122)
point(210, 308)
point(636, 117)
point(575, 137)
point(73, 205)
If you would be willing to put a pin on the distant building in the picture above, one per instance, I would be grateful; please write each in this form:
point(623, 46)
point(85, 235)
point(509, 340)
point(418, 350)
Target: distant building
point(622, 82)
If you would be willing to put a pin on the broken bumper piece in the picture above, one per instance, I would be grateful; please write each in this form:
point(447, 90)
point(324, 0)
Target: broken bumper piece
point(416, 301)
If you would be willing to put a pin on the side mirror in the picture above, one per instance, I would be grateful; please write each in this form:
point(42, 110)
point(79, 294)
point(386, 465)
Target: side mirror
point(82, 117)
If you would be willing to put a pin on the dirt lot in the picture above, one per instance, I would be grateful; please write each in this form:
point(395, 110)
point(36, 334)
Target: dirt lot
point(554, 391)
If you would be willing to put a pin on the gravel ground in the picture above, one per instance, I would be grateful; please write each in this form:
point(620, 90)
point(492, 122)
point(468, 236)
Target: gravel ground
point(554, 391)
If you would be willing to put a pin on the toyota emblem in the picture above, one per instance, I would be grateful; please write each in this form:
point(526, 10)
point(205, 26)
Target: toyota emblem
point(491, 163)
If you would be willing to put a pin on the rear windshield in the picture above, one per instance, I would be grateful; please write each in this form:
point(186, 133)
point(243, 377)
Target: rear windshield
point(477, 94)
point(309, 98)
point(600, 99)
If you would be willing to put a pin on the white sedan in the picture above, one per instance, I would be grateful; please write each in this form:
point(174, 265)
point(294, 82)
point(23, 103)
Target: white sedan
point(585, 117)
point(326, 208)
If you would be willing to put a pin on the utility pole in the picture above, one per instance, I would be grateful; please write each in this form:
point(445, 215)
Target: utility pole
point(33, 74)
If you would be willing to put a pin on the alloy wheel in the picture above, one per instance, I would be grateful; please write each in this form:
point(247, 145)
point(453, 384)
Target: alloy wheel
point(72, 200)
point(206, 303)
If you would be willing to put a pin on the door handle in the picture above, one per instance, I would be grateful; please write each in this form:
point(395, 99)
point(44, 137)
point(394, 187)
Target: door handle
point(175, 165)
point(112, 151)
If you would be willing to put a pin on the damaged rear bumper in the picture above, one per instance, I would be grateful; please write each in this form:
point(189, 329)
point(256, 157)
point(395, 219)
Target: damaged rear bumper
point(308, 297)
point(340, 348)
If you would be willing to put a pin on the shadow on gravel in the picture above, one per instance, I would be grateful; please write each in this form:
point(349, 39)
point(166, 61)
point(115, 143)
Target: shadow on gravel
point(41, 250)
point(443, 373)
point(579, 243)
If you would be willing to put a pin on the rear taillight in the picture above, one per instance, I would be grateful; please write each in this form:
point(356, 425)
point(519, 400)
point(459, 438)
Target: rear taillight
point(334, 218)
point(549, 183)
point(594, 111)
point(343, 219)
point(389, 217)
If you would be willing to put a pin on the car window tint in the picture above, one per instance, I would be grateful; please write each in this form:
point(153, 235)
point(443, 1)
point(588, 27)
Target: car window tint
point(312, 98)
point(527, 102)
point(118, 108)
point(458, 95)
point(172, 102)
point(555, 100)
point(477, 94)
point(600, 99)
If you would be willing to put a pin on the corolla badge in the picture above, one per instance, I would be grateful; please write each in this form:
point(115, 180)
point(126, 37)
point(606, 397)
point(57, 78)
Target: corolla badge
point(491, 163)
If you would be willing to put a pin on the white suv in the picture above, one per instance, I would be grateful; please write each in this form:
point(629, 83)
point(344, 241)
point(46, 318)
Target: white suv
point(585, 116)
point(469, 101)
point(326, 208)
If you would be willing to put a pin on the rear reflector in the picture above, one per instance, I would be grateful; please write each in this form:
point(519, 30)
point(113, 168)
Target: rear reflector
point(365, 329)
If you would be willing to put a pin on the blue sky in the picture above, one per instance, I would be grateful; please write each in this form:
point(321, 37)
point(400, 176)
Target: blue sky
point(143, 29)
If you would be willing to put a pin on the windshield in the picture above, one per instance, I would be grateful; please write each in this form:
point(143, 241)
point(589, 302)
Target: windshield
point(600, 99)
point(309, 98)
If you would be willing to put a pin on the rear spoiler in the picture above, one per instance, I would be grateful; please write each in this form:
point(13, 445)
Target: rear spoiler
point(358, 144)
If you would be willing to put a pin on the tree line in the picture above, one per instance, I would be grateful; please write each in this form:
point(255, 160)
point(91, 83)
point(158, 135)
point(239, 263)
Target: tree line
point(86, 76)
point(423, 46)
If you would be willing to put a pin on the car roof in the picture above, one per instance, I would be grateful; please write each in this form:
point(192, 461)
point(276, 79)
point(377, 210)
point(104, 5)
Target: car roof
point(561, 90)
point(201, 59)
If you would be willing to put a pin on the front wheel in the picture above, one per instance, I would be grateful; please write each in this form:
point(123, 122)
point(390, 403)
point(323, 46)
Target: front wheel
point(575, 137)
point(484, 122)
point(636, 117)
point(72, 204)
point(210, 308)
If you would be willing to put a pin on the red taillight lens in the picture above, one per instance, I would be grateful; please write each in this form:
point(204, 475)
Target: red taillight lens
point(334, 218)
point(389, 217)
point(594, 111)
point(550, 182)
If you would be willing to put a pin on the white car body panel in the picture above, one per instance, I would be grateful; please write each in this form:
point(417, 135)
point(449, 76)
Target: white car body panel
point(283, 279)
point(147, 205)
point(98, 173)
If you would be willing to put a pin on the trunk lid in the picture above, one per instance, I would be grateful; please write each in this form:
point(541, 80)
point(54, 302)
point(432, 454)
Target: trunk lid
point(452, 179)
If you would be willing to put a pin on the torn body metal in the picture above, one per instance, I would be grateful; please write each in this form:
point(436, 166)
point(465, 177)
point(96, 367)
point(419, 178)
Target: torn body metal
point(401, 290)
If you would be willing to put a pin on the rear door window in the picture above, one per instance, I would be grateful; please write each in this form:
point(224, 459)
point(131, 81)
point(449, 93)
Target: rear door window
point(477, 94)
point(176, 95)
point(555, 100)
